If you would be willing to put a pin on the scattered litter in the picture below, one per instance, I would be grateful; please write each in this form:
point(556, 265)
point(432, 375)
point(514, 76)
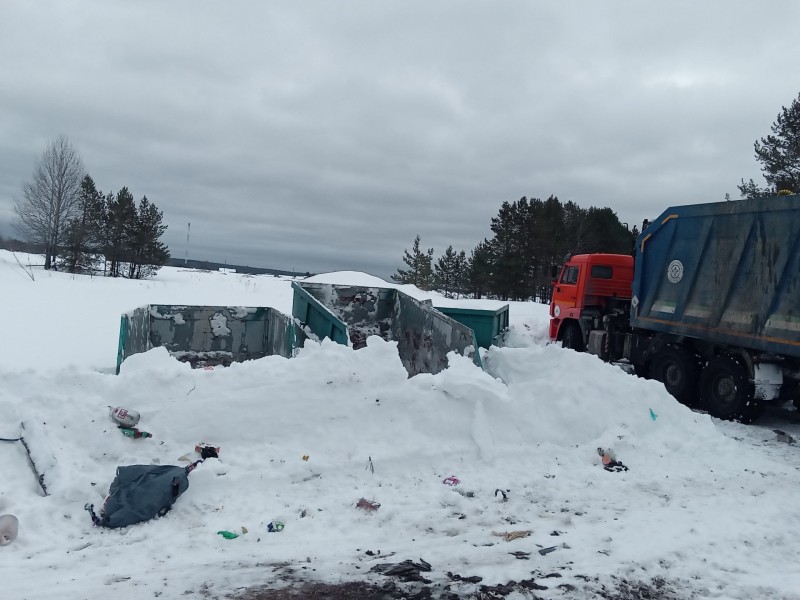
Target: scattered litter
point(465, 493)
point(512, 535)
point(228, 535)
point(9, 528)
point(520, 555)
point(547, 550)
point(134, 433)
point(609, 462)
point(784, 437)
point(126, 421)
point(370, 466)
point(123, 417)
point(457, 577)
point(406, 570)
point(244, 529)
point(275, 526)
point(207, 451)
point(306, 457)
point(504, 492)
point(368, 505)
point(309, 478)
point(140, 493)
point(653, 415)
point(452, 480)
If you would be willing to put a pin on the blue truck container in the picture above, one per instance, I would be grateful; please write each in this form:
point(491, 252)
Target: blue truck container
point(350, 314)
point(715, 309)
point(727, 272)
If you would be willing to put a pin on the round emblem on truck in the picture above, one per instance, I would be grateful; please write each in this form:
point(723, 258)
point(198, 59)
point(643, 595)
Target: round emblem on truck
point(675, 271)
point(557, 311)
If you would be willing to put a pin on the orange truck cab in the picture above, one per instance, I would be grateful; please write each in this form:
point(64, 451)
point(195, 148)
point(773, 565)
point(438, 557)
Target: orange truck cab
point(589, 288)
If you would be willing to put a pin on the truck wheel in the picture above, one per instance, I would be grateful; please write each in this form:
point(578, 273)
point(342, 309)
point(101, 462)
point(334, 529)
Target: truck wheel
point(726, 390)
point(678, 369)
point(572, 337)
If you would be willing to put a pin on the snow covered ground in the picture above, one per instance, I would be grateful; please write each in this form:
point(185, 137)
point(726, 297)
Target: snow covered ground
point(707, 509)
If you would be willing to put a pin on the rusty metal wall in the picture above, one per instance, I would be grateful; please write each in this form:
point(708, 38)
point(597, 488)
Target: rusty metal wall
point(134, 333)
point(283, 335)
point(207, 335)
point(424, 335)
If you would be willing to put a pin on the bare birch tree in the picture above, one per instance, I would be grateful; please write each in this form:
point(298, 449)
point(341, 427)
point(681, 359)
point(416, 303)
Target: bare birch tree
point(50, 199)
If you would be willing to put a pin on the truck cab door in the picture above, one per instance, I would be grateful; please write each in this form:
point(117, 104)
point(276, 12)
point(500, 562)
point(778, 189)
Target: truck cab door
point(565, 292)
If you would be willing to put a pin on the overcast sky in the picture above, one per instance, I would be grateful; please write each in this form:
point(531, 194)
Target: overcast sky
point(324, 135)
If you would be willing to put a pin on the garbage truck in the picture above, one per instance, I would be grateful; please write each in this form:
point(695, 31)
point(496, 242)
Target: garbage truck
point(708, 304)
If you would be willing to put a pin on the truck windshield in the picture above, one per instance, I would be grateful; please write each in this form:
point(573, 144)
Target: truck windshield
point(570, 274)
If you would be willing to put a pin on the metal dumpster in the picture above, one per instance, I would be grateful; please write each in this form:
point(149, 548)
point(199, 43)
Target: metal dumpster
point(490, 326)
point(350, 314)
point(208, 335)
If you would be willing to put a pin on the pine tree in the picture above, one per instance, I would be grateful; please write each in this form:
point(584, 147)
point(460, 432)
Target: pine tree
point(120, 218)
point(779, 155)
point(462, 273)
point(506, 251)
point(481, 269)
point(446, 272)
point(145, 252)
point(83, 233)
point(604, 232)
point(420, 272)
point(530, 236)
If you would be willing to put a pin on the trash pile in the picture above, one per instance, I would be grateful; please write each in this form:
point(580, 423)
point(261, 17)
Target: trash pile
point(140, 493)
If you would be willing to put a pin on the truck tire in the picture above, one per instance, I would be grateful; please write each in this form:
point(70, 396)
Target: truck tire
point(726, 390)
point(572, 337)
point(678, 369)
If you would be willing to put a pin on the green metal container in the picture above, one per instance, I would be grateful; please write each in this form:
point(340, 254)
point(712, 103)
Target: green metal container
point(208, 335)
point(350, 314)
point(490, 326)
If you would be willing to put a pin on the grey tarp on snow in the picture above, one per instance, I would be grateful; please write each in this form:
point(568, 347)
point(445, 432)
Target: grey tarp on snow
point(142, 492)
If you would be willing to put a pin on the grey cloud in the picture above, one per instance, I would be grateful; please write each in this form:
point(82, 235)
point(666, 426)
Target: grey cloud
point(324, 135)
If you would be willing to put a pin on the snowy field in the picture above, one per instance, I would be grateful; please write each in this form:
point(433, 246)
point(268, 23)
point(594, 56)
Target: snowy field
point(707, 509)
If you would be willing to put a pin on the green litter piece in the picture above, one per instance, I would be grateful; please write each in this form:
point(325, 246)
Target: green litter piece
point(275, 526)
point(228, 535)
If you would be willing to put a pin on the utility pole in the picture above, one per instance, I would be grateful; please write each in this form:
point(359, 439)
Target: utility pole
point(186, 256)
